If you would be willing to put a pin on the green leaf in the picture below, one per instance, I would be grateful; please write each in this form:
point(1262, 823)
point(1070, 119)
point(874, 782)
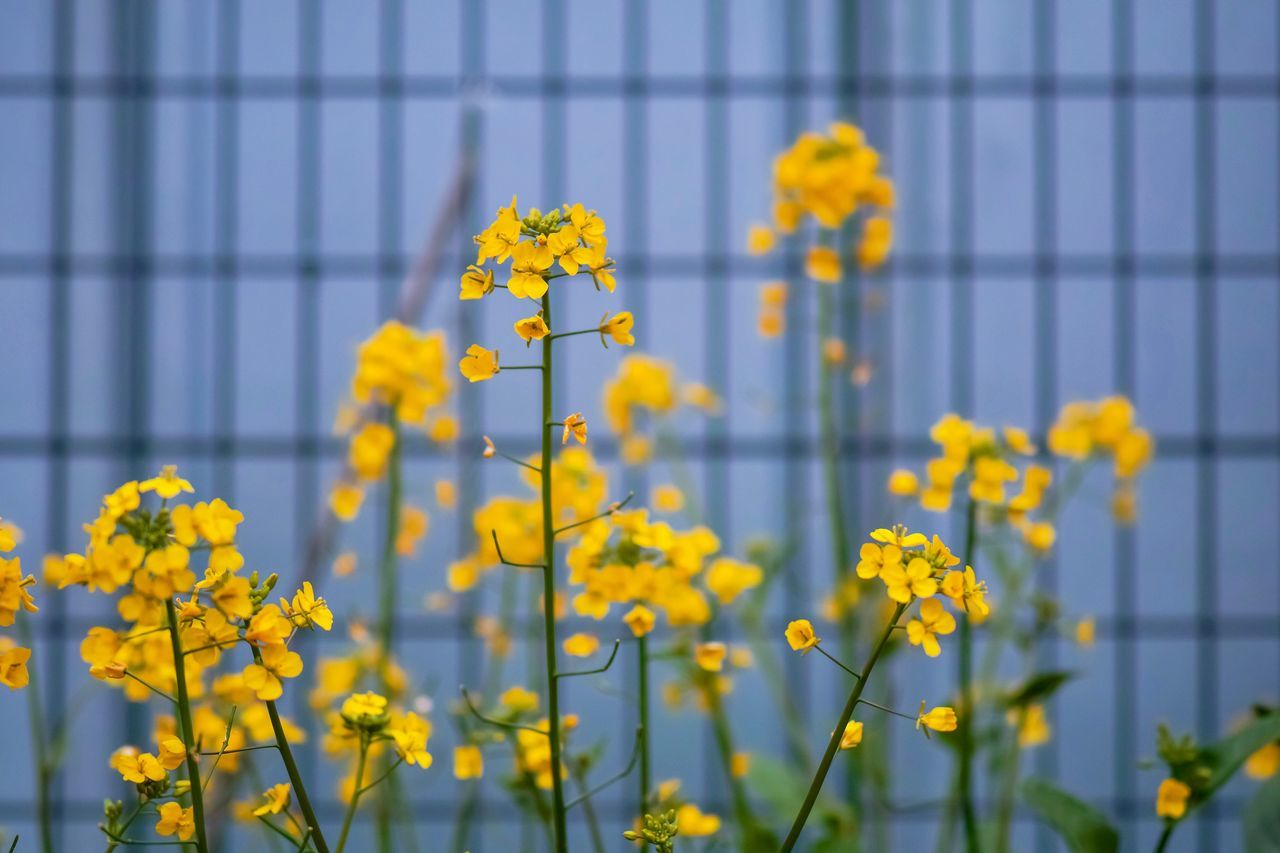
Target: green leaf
point(1261, 819)
point(1082, 827)
point(1224, 758)
point(1039, 686)
point(783, 789)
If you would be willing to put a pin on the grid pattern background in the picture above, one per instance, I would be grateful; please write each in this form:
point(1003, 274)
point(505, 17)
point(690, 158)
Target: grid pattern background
point(204, 207)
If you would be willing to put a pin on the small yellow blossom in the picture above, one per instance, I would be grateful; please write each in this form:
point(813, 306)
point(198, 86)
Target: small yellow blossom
point(576, 426)
point(833, 352)
point(344, 564)
point(1171, 799)
point(479, 363)
point(176, 820)
point(446, 494)
point(468, 762)
point(940, 719)
point(903, 483)
point(581, 645)
point(532, 329)
point(739, 764)
point(852, 735)
point(345, 500)
point(1264, 763)
point(276, 800)
point(476, 283)
point(277, 663)
point(760, 239)
point(519, 699)
point(822, 264)
point(173, 753)
point(667, 498)
point(1032, 724)
point(800, 636)
point(934, 620)
point(1086, 630)
point(619, 328)
point(710, 656)
point(694, 823)
point(640, 620)
point(167, 485)
point(13, 667)
point(1040, 536)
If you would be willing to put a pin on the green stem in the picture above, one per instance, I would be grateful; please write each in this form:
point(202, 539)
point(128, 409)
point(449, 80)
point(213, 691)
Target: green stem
point(965, 778)
point(1008, 787)
point(355, 794)
point(39, 746)
point(642, 644)
point(589, 809)
point(387, 603)
point(549, 590)
point(1164, 837)
point(188, 730)
point(833, 745)
point(291, 767)
point(753, 835)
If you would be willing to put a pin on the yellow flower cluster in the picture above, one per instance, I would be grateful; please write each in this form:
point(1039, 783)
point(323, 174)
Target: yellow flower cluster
point(401, 370)
point(1106, 427)
point(15, 596)
point(629, 560)
point(829, 177)
point(645, 386)
point(911, 566)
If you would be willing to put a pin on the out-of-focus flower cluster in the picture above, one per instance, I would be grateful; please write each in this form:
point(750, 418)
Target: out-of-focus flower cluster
point(644, 391)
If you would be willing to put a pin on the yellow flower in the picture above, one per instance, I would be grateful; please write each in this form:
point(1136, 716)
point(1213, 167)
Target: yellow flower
point(915, 580)
point(640, 620)
point(13, 667)
point(167, 485)
point(307, 610)
point(414, 523)
point(519, 699)
point(479, 363)
point(268, 627)
point(276, 800)
point(1040, 536)
point(940, 719)
point(175, 820)
point(800, 636)
point(967, 593)
point(575, 425)
point(934, 620)
point(344, 564)
point(411, 733)
point(277, 663)
point(232, 598)
point(446, 494)
point(173, 753)
point(739, 764)
point(903, 483)
point(532, 329)
point(476, 283)
point(710, 656)
point(1086, 629)
point(760, 239)
point(667, 498)
point(694, 823)
point(468, 762)
point(822, 264)
point(345, 500)
point(1171, 799)
point(619, 327)
point(581, 645)
point(1264, 763)
point(852, 735)
point(366, 709)
point(443, 429)
point(1033, 725)
point(728, 578)
point(874, 560)
point(877, 240)
point(367, 454)
point(137, 768)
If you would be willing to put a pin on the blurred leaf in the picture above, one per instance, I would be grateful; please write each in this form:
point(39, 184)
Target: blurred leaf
point(1224, 758)
point(784, 789)
point(1082, 827)
point(1039, 686)
point(1261, 819)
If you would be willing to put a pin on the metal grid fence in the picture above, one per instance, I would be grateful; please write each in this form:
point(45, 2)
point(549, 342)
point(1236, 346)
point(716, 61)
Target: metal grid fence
point(197, 266)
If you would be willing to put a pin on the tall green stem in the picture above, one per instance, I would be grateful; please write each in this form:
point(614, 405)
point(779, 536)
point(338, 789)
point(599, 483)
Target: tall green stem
point(355, 794)
point(291, 767)
point(549, 588)
point(40, 749)
point(387, 607)
point(188, 731)
point(967, 809)
point(815, 787)
point(646, 784)
point(1164, 837)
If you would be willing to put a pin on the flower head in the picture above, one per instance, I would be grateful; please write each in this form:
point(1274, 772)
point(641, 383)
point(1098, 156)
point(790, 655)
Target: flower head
point(619, 328)
point(479, 364)
point(532, 329)
point(276, 800)
point(852, 735)
point(940, 719)
point(1171, 799)
point(800, 636)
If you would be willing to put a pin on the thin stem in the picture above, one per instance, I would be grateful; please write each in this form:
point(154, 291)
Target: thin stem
point(523, 366)
point(291, 767)
point(466, 697)
point(388, 772)
point(836, 662)
point(502, 558)
point(355, 795)
point(608, 512)
point(594, 331)
point(613, 654)
point(521, 462)
point(226, 741)
point(1164, 837)
point(151, 687)
point(887, 710)
point(1008, 787)
point(642, 733)
point(549, 591)
point(39, 748)
point(287, 836)
point(967, 809)
point(751, 831)
point(188, 730)
point(617, 777)
point(588, 808)
point(833, 745)
point(387, 596)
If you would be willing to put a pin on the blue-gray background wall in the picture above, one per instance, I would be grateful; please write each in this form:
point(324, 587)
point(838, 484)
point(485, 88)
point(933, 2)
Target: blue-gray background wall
point(204, 207)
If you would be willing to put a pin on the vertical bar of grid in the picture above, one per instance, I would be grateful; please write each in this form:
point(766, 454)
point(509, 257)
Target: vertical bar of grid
point(390, 133)
point(1045, 295)
point(553, 149)
point(795, 43)
point(306, 449)
point(54, 630)
point(1206, 397)
point(472, 71)
point(1124, 332)
point(635, 159)
point(962, 165)
point(717, 342)
point(226, 193)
